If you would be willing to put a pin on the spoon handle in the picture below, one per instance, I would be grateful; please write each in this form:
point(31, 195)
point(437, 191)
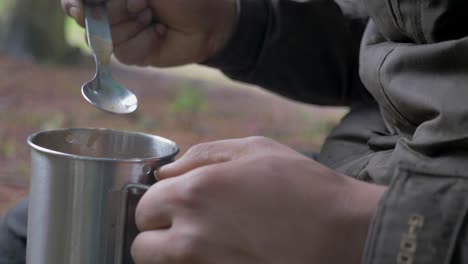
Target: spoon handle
point(99, 34)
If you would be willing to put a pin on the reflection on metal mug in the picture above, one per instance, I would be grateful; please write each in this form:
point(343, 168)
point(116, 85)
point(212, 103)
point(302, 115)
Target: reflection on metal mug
point(85, 184)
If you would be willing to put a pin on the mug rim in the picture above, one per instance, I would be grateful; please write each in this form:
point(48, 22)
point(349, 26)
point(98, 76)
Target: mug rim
point(81, 157)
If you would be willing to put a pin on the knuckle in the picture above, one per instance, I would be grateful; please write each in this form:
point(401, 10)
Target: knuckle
point(192, 192)
point(260, 140)
point(194, 187)
point(208, 153)
point(259, 145)
point(199, 149)
point(186, 249)
point(269, 160)
point(200, 152)
point(189, 194)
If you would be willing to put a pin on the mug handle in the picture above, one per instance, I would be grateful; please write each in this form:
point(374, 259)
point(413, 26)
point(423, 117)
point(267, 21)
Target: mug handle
point(122, 216)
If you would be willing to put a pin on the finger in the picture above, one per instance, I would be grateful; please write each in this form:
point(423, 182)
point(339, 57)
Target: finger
point(118, 12)
point(74, 8)
point(126, 31)
point(155, 209)
point(151, 246)
point(136, 6)
point(138, 49)
point(202, 155)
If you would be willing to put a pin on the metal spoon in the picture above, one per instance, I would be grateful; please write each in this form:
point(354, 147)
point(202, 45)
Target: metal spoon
point(102, 91)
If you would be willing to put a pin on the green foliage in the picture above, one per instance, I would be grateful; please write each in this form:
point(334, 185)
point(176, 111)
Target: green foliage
point(22, 169)
point(189, 99)
point(8, 149)
point(75, 35)
point(187, 105)
point(145, 123)
point(55, 121)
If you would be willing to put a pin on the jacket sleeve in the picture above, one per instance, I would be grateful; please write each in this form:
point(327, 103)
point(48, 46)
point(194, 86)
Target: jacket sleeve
point(422, 91)
point(420, 220)
point(13, 228)
point(305, 50)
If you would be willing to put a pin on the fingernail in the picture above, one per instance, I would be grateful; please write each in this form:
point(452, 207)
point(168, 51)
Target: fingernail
point(74, 12)
point(156, 173)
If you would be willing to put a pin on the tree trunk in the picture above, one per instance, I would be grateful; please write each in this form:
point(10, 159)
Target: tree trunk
point(35, 29)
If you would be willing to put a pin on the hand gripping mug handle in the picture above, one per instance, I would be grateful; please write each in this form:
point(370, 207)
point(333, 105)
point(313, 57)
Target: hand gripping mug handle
point(122, 218)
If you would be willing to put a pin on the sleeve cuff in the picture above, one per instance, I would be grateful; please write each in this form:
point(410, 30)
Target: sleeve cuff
point(243, 49)
point(419, 219)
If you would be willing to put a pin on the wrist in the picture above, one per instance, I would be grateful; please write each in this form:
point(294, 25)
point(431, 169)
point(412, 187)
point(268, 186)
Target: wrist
point(360, 201)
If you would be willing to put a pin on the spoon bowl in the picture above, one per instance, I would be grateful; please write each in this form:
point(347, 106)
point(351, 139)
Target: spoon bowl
point(106, 94)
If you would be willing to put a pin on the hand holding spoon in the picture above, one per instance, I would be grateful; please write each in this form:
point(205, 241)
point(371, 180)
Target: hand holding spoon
point(102, 91)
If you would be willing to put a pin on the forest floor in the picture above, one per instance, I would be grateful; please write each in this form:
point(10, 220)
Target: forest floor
point(189, 105)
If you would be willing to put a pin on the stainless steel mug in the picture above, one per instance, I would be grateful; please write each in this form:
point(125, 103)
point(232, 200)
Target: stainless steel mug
point(85, 184)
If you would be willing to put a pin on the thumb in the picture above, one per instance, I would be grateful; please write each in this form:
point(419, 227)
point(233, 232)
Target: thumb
point(202, 155)
point(193, 159)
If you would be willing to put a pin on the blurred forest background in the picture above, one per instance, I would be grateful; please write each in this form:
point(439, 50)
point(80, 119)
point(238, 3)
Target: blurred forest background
point(44, 61)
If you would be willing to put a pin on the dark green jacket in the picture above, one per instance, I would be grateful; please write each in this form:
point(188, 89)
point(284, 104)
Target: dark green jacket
point(402, 68)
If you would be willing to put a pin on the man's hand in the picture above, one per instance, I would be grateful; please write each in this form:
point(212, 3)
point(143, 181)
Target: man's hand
point(164, 32)
point(252, 201)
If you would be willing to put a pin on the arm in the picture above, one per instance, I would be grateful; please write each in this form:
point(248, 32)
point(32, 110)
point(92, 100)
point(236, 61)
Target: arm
point(306, 50)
